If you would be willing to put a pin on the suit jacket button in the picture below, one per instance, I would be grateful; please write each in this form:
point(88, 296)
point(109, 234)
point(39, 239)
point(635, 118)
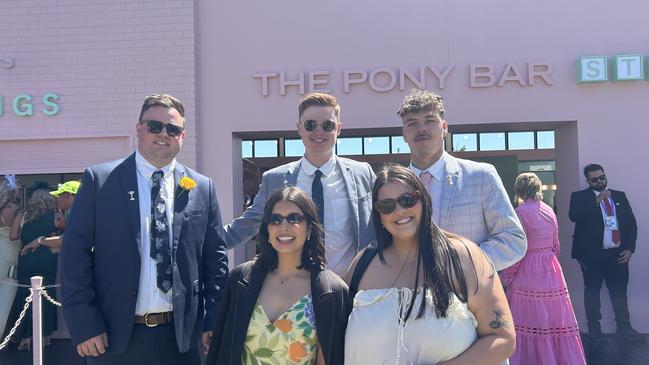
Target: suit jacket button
point(134, 293)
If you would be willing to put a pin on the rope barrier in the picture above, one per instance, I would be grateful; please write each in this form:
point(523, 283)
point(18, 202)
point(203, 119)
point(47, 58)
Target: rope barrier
point(28, 301)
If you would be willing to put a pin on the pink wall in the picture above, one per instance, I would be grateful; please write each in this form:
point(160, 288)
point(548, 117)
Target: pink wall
point(240, 39)
point(102, 58)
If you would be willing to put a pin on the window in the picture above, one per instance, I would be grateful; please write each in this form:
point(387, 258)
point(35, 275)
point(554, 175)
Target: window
point(492, 141)
point(545, 139)
point(399, 145)
point(465, 142)
point(266, 148)
point(520, 140)
point(376, 145)
point(293, 148)
point(246, 149)
point(349, 146)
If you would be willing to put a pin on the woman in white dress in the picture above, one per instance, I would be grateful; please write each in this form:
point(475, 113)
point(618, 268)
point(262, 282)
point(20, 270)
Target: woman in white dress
point(8, 250)
point(422, 296)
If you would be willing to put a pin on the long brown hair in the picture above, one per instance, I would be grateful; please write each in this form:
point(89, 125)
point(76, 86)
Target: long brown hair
point(439, 258)
point(313, 252)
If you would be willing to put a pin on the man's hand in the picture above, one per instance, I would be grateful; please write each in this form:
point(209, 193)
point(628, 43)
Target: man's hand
point(604, 194)
point(94, 346)
point(206, 339)
point(625, 256)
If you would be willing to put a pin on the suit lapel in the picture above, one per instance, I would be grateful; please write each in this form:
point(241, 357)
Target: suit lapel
point(449, 186)
point(181, 198)
point(128, 175)
point(290, 176)
point(352, 195)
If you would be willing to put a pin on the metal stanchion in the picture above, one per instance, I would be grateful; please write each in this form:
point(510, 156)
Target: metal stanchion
point(37, 331)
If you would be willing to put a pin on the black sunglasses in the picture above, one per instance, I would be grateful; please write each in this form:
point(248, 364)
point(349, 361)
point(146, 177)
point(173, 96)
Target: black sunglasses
point(406, 200)
point(327, 125)
point(156, 126)
point(597, 178)
point(293, 218)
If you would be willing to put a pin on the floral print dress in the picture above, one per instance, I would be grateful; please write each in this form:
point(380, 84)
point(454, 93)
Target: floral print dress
point(290, 340)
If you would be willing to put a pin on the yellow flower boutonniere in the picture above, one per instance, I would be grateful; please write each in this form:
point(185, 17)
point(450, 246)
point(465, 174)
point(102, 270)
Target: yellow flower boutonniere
point(186, 183)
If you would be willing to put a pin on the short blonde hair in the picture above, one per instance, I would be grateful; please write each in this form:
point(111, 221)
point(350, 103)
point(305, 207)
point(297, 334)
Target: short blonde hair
point(528, 186)
point(319, 99)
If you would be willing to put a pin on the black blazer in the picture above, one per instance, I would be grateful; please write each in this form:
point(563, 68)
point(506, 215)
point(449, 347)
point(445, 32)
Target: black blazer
point(589, 224)
point(100, 260)
point(331, 306)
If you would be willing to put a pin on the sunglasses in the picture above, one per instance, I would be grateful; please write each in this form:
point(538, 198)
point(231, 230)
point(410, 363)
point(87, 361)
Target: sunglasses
point(293, 218)
point(156, 126)
point(597, 178)
point(406, 200)
point(327, 125)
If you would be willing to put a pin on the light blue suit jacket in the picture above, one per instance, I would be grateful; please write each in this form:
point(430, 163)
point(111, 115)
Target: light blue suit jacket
point(475, 205)
point(359, 179)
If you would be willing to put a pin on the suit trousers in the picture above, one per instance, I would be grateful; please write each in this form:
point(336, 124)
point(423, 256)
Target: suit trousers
point(605, 267)
point(150, 346)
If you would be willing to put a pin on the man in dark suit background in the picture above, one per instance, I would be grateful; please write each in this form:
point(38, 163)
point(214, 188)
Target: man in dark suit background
point(143, 260)
point(603, 243)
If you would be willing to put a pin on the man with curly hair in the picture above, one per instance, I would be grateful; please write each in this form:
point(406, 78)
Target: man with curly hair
point(468, 197)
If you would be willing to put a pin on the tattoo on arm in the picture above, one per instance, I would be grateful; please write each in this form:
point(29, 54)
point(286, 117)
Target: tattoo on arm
point(499, 322)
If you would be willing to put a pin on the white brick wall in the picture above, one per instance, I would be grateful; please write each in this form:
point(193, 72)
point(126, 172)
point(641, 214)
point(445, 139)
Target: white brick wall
point(102, 58)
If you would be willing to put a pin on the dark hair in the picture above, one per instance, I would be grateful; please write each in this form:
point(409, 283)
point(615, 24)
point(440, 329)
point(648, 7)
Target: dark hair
point(440, 259)
point(313, 253)
point(162, 99)
point(592, 167)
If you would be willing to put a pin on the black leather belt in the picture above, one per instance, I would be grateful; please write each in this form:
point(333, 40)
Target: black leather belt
point(154, 319)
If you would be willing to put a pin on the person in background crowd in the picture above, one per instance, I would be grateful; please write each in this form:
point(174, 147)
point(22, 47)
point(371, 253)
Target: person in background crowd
point(345, 213)
point(34, 224)
point(603, 243)
point(283, 307)
point(468, 197)
point(9, 248)
point(64, 199)
point(142, 260)
point(426, 296)
point(546, 328)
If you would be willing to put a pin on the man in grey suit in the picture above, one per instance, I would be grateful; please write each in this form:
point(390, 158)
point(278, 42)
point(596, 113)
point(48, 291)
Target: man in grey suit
point(346, 184)
point(468, 197)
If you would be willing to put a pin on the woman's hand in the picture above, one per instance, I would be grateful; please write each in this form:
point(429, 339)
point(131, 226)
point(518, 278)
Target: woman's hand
point(32, 246)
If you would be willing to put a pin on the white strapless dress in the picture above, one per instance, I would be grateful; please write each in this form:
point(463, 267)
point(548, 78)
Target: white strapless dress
point(9, 251)
point(375, 333)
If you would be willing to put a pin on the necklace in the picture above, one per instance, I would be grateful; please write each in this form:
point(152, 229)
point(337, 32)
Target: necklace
point(403, 266)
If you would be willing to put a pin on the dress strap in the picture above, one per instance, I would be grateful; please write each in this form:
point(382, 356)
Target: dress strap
point(368, 254)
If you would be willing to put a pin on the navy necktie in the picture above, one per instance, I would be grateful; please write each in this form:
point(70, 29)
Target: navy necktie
point(318, 195)
point(160, 250)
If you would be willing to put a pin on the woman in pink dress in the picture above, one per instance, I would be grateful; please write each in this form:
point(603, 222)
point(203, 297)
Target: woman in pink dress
point(546, 328)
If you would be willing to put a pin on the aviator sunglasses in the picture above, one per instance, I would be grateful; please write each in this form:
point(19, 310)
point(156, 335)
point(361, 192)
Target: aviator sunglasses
point(156, 126)
point(406, 200)
point(293, 218)
point(327, 125)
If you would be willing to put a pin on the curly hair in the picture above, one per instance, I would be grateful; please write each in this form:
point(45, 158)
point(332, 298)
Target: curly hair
point(6, 195)
point(421, 100)
point(313, 252)
point(39, 203)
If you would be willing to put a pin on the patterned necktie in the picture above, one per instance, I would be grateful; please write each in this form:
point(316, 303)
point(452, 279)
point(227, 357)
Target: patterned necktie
point(426, 177)
point(318, 195)
point(609, 212)
point(160, 250)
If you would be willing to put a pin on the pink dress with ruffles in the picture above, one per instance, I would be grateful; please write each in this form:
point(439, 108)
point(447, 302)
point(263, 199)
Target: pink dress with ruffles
point(546, 328)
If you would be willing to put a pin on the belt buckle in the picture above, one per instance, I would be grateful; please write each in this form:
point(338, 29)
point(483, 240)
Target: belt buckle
point(146, 321)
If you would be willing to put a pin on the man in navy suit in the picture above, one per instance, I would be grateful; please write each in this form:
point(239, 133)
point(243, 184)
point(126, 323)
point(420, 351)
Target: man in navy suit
point(346, 212)
point(603, 243)
point(143, 260)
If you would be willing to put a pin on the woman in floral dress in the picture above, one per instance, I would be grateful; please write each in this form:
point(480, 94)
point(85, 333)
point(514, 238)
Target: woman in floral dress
point(283, 307)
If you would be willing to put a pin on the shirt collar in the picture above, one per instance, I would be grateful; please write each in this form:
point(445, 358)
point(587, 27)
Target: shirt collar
point(147, 169)
point(327, 169)
point(436, 169)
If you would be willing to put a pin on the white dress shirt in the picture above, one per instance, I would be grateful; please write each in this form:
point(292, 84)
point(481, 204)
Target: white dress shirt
point(339, 239)
point(437, 169)
point(150, 299)
point(607, 240)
